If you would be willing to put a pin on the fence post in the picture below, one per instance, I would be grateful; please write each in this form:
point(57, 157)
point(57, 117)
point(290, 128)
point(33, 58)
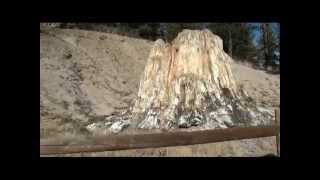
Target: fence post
point(277, 121)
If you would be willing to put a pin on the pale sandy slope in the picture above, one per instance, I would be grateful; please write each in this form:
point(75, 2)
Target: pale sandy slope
point(263, 87)
point(85, 74)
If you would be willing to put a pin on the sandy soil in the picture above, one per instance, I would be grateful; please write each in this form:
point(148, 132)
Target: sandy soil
point(86, 74)
point(263, 87)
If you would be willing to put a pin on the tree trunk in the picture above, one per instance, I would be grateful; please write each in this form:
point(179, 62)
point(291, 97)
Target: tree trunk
point(266, 44)
point(230, 44)
point(190, 83)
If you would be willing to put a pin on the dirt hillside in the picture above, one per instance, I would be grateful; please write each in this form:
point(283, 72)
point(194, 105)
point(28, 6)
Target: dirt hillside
point(85, 75)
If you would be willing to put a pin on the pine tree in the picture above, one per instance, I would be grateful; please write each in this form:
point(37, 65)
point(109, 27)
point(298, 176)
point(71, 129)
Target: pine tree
point(268, 43)
point(171, 30)
point(237, 39)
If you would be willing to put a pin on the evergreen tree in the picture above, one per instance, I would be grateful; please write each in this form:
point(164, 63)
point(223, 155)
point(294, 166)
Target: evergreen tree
point(268, 43)
point(237, 39)
point(242, 46)
point(171, 30)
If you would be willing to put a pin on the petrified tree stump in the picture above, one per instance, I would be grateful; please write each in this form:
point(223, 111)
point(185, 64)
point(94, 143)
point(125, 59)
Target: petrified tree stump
point(190, 83)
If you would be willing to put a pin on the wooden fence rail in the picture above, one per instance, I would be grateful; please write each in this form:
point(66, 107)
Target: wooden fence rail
point(121, 142)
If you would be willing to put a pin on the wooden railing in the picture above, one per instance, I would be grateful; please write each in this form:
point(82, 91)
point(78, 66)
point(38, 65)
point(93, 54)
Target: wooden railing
point(121, 142)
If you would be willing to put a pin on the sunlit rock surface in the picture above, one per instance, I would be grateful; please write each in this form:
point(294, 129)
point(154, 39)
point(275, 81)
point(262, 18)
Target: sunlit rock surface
point(190, 83)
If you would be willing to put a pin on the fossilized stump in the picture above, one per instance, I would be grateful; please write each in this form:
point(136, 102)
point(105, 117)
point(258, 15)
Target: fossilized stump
point(190, 83)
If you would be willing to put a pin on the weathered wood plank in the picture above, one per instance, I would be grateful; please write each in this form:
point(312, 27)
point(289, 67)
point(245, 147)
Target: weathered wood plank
point(122, 142)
